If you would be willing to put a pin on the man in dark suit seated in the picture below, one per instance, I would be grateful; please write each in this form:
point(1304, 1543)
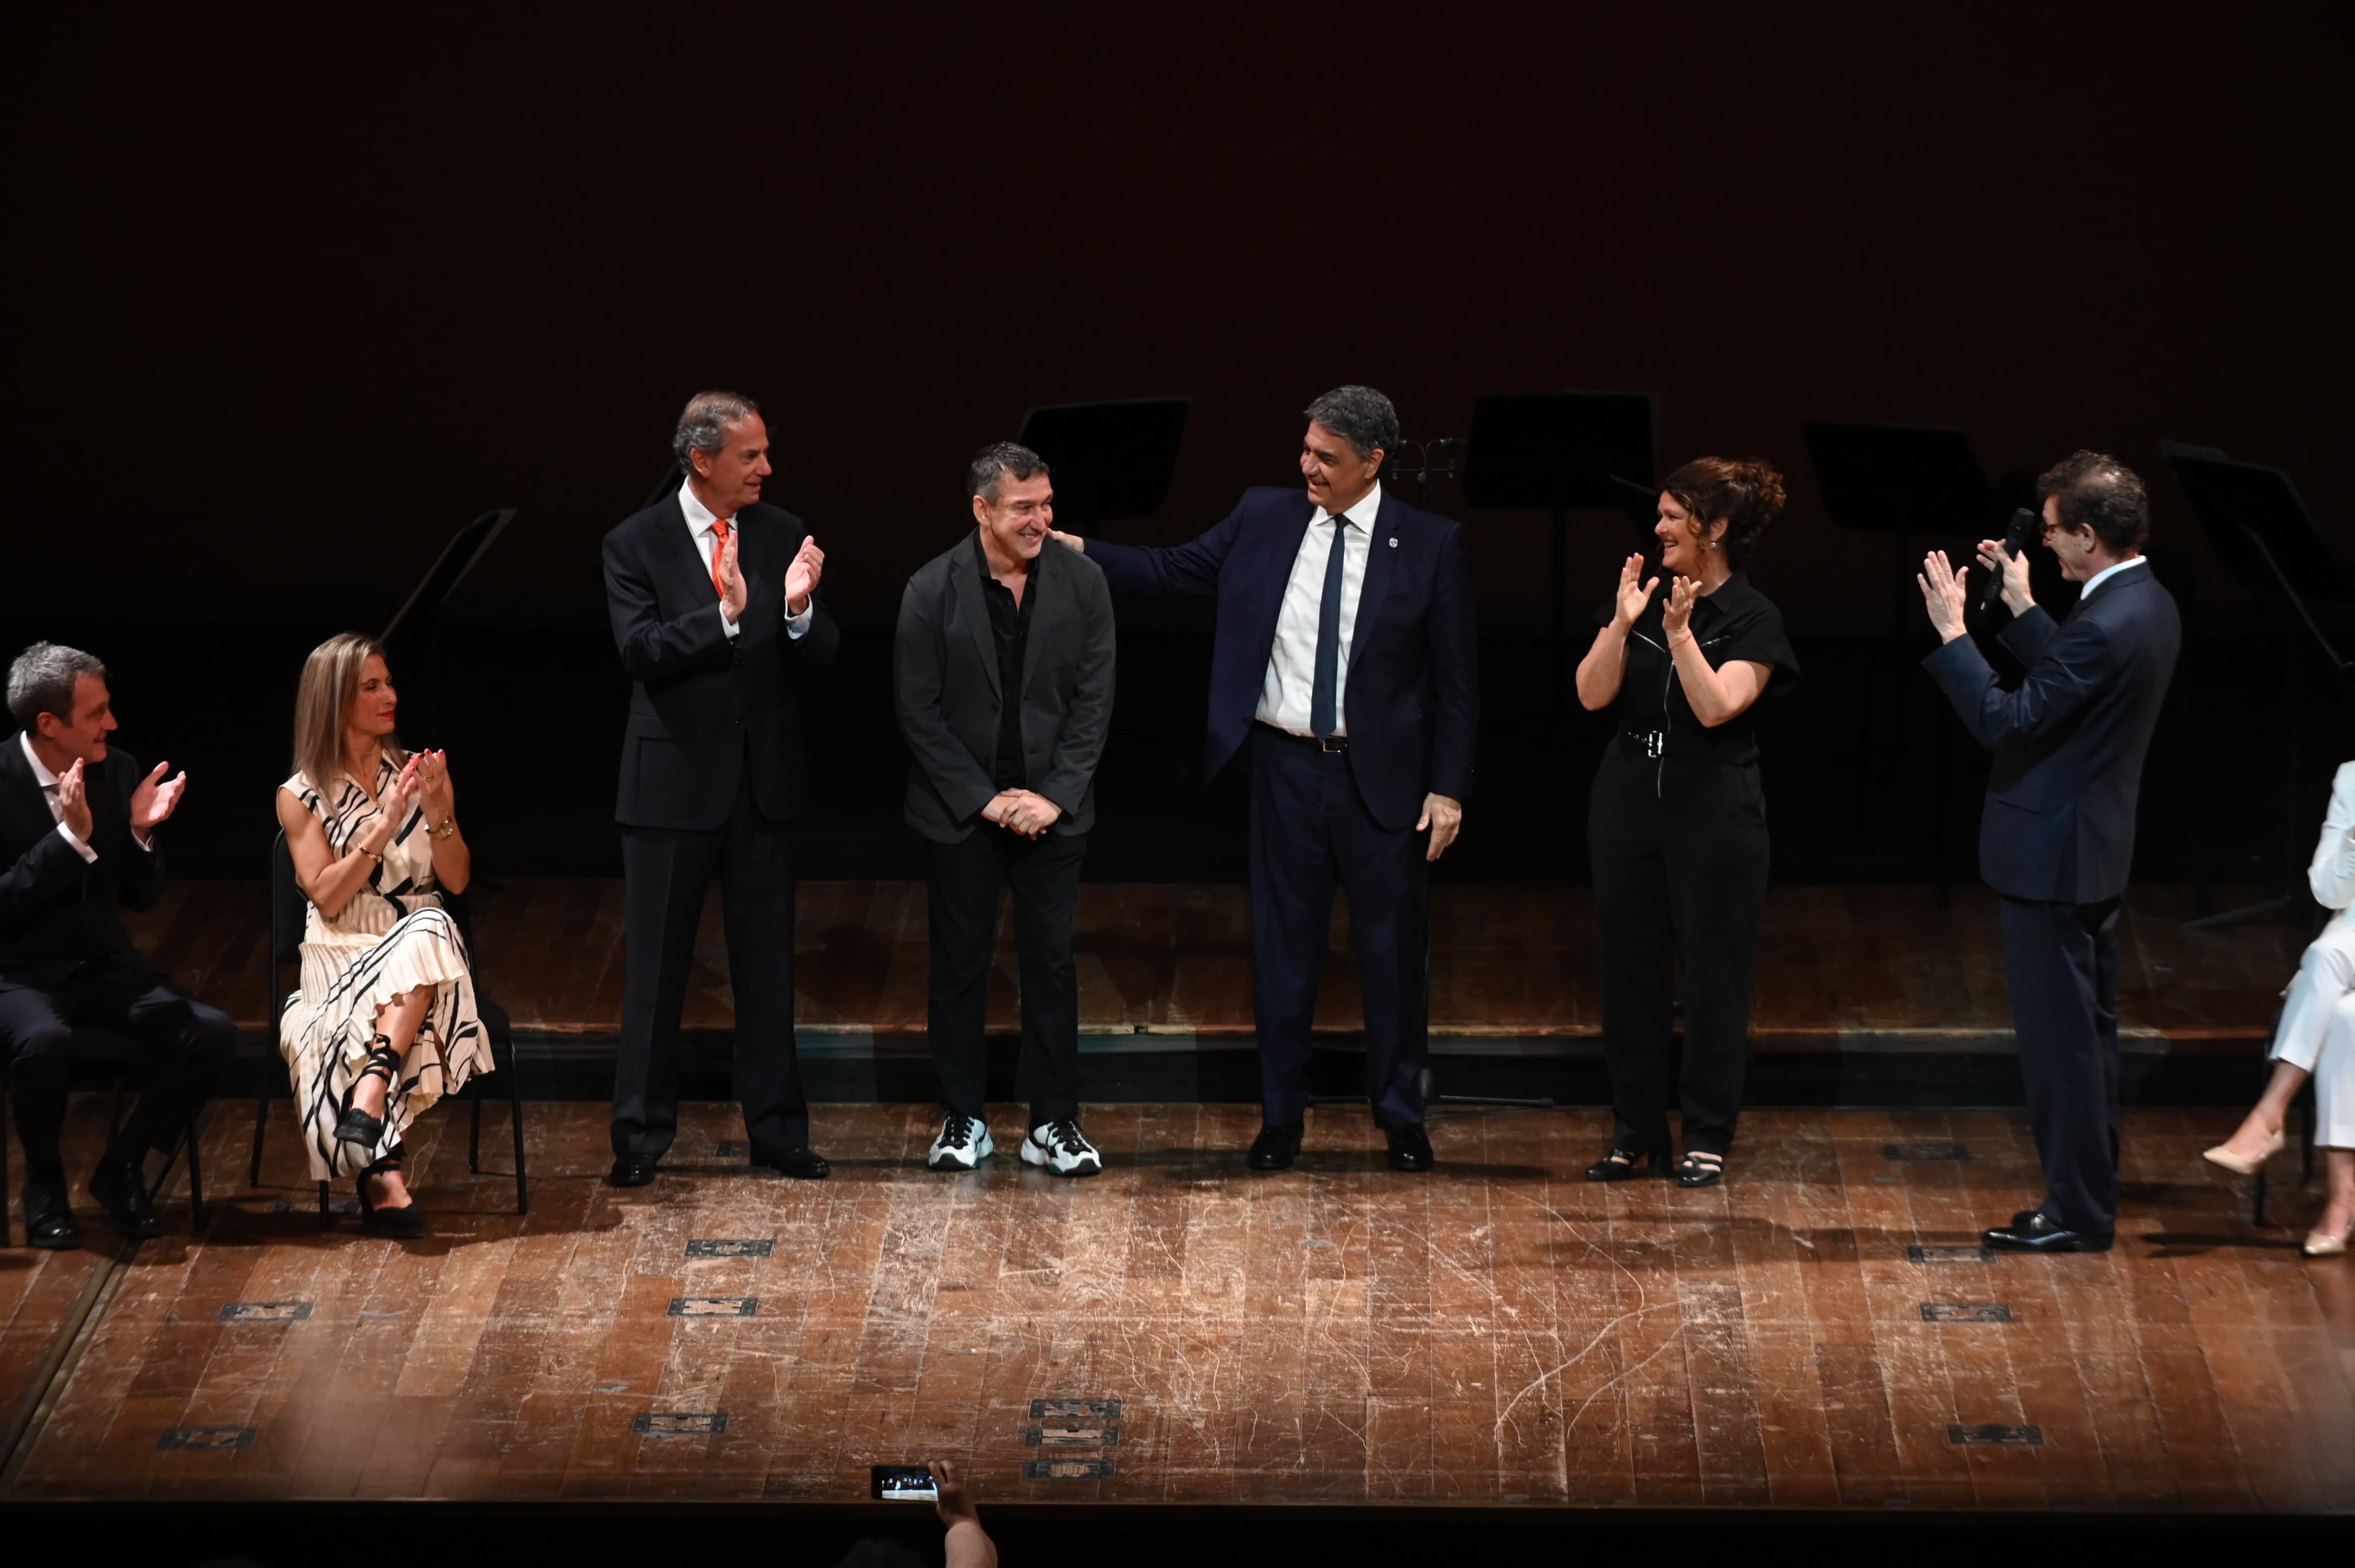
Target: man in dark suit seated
point(2056, 833)
point(713, 597)
point(1004, 672)
point(1345, 661)
point(77, 837)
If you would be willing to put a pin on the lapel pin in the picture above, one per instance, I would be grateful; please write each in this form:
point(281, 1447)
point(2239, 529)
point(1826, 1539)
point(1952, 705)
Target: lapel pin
point(1393, 541)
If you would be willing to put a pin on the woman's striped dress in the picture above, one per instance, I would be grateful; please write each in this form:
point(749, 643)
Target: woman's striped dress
point(392, 937)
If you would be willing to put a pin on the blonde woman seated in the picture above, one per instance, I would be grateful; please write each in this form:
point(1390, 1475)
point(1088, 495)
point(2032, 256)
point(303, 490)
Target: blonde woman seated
point(385, 1023)
point(2316, 1037)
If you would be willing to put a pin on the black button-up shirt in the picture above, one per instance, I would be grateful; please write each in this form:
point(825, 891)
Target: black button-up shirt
point(1009, 624)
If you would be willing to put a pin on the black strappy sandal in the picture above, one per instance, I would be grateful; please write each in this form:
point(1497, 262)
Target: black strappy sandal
point(1701, 1168)
point(358, 1127)
point(405, 1222)
point(1621, 1164)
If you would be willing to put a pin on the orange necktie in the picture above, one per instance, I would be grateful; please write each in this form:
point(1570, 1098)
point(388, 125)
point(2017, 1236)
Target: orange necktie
point(718, 547)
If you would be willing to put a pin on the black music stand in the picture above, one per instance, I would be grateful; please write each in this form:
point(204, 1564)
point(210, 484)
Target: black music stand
point(1907, 481)
point(418, 624)
point(1557, 451)
point(667, 485)
point(1112, 461)
point(2258, 525)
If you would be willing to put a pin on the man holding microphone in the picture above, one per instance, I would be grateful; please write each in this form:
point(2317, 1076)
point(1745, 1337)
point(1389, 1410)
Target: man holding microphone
point(2056, 835)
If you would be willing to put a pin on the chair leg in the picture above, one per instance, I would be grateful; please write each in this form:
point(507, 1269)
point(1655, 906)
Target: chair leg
point(2257, 1207)
point(7, 1221)
point(196, 1173)
point(325, 1217)
point(2306, 1113)
point(261, 1125)
point(515, 1103)
point(475, 1135)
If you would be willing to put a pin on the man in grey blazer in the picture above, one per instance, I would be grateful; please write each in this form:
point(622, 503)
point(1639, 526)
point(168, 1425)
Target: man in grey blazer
point(1003, 668)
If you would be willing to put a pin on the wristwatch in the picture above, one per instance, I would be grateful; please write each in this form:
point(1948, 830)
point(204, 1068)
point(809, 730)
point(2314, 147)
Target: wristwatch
point(449, 826)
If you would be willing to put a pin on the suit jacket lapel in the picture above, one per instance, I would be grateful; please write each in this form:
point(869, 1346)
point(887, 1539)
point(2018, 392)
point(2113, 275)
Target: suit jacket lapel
point(965, 581)
point(1285, 543)
point(680, 556)
point(1377, 581)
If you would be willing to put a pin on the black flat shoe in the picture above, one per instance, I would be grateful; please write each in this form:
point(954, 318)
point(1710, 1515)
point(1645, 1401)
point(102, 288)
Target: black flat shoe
point(1621, 1164)
point(124, 1192)
point(404, 1223)
point(1273, 1149)
point(1409, 1148)
point(54, 1228)
point(631, 1170)
point(801, 1164)
point(2041, 1235)
point(1701, 1168)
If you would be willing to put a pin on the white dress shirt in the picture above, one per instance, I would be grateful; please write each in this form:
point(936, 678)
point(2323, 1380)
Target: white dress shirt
point(49, 783)
point(2106, 573)
point(1291, 684)
point(699, 519)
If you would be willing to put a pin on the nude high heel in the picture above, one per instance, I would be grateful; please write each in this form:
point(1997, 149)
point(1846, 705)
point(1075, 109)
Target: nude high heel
point(2319, 1244)
point(2233, 1162)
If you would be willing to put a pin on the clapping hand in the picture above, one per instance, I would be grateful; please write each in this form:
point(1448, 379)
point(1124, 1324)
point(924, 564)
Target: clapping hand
point(153, 802)
point(1676, 615)
point(1942, 593)
point(73, 802)
point(433, 784)
point(1635, 592)
point(2012, 570)
point(733, 592)
point(801, 577)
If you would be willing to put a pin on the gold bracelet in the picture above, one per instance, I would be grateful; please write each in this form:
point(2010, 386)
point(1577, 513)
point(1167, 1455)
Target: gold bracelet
point(375, 855)
point(449, 826)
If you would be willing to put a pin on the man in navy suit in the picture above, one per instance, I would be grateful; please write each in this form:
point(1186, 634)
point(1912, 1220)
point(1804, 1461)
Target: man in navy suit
point(713, 596)
point(1346, 663)
point(2056, 835)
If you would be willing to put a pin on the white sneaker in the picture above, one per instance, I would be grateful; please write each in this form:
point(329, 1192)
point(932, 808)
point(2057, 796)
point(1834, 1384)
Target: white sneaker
point(963, 1143)
point(1063, 1149)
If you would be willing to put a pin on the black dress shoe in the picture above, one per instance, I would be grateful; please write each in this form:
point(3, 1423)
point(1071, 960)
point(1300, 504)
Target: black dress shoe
point(1275, 1148)
point(801, 1164)
point(1409, 1148)
point(631, 1170)
point(124, 1192)
point(2041, 1235)
point(53, 1228)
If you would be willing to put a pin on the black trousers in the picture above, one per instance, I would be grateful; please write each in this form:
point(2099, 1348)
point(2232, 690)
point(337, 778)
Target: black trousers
point(2061, 963)
point(668, 872)
point(1680, 857)
point(966, 877)
point(1310, 831)
point(191, 1044)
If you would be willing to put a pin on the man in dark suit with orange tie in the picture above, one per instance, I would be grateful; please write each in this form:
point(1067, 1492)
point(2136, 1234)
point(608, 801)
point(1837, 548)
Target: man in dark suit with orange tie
point(1346, 667)
point(713, 596)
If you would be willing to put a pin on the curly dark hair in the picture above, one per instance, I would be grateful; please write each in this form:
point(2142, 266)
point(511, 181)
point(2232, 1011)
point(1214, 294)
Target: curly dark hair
point(2100, 493)
point(1746, 491)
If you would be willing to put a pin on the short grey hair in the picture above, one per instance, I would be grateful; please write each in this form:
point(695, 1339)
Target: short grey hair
point(704, 423)
point(1360, 416)
point(42, 681)
point(993, 465)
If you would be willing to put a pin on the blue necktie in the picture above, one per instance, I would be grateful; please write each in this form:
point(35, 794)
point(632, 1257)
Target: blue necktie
point(1321, 719)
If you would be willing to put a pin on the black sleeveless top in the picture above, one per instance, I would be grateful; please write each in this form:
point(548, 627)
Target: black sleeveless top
point(1737, 622)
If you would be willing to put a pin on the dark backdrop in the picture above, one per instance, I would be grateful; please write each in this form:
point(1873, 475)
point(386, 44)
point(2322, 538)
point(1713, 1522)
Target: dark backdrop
point(293, 303)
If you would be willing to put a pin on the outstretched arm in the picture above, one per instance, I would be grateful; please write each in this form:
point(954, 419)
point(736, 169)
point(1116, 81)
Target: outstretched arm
point(1163, 571)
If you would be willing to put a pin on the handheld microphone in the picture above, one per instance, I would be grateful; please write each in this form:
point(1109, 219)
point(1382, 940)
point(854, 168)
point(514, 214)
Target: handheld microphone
point(2025, 529)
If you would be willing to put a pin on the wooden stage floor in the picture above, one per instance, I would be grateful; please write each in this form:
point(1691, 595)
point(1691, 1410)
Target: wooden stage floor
point(1843, 968)
point(1495, 1330)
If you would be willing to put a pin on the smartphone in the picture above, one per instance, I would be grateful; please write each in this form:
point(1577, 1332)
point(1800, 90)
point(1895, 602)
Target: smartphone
point(902, 1484)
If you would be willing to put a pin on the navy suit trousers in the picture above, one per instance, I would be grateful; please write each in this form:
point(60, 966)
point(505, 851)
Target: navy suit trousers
point(2061, 960)
point(1310, 831)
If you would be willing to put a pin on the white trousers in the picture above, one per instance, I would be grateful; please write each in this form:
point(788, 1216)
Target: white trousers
point(2318, 1032)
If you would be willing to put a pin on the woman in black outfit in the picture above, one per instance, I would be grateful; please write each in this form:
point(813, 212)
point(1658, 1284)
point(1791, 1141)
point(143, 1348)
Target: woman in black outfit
point(1676, 824)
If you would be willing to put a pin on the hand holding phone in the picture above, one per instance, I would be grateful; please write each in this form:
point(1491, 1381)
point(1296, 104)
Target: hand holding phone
point(902, 1484)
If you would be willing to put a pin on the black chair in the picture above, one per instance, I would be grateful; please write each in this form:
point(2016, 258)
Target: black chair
point(116, 1052)
point(287, 906)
